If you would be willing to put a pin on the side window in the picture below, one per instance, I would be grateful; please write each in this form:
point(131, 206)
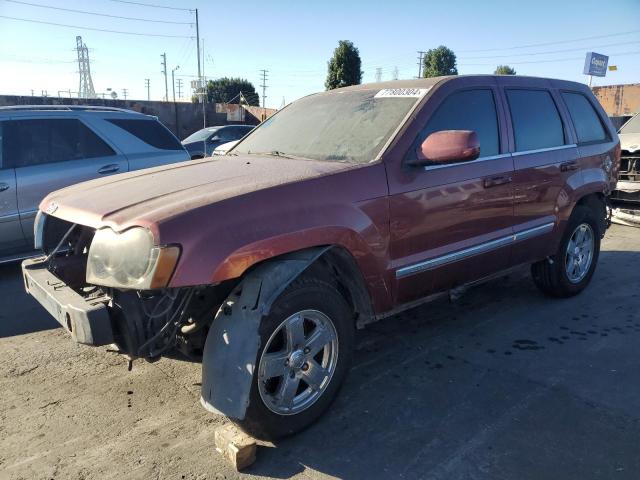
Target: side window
point(149, 131)
point(227, 134)
point(466, 110)
point(535, 118)
point(41, 141)
point(585, 119)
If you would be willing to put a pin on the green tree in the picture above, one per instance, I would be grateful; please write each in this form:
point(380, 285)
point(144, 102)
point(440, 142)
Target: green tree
point(344, 66)
point(439, 61)
point(225, 89)
point(504, 70)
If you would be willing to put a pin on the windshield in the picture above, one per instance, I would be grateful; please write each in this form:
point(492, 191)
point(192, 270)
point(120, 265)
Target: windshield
point(200, 135)
point(632, 126)
point(349, 126)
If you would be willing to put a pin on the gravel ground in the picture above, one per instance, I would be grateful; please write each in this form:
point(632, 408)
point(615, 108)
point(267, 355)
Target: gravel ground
point(502, 384)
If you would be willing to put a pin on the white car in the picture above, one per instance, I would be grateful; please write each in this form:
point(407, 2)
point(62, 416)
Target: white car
point(224, 148)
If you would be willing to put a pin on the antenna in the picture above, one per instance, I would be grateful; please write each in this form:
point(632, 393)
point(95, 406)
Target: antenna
point(86, 89)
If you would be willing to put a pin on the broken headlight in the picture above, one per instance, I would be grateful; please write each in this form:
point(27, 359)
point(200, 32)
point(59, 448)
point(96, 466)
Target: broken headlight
point(130, 260)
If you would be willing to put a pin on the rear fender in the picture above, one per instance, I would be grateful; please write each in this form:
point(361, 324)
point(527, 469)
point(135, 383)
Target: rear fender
point(233, 341)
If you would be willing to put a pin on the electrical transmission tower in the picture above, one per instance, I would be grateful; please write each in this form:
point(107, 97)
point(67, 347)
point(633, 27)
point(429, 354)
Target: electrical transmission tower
point(264, 86)
point(395, 73)
point(420, 63)
point(86, 89)
point(378, 75)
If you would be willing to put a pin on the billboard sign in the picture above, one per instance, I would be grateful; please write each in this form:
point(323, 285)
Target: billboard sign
point(595, 64)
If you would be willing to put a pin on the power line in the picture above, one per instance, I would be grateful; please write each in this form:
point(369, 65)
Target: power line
point(94, 29)
point(85, 12)
point(153, 5)
point(551, 43)
point(548, 51)
point(551, 61)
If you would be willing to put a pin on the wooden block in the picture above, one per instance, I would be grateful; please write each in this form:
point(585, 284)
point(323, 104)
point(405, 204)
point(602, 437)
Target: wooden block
point(236, 446)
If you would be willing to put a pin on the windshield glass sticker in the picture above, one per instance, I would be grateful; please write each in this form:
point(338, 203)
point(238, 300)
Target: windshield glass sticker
point(401, 92)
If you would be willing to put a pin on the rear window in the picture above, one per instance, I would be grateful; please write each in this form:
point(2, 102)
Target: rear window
point(535, 118)
point(150, 132)
point(39, 141)
point(585, 119)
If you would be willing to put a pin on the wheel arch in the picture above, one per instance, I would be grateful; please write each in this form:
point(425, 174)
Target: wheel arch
point(232, 344)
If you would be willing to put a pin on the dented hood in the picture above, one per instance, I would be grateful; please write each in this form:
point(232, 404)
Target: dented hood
point(147, 197)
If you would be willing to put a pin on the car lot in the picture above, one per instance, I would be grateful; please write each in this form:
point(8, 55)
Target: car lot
point(503, 383)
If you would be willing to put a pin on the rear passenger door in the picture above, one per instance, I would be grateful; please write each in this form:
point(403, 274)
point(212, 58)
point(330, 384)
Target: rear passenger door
point(545, 161)
point(146, 142)
point(51, 153)
point(11, 238)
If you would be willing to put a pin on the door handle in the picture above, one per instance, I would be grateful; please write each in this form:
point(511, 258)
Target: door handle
point(568, 166)
point(4, 186)
point(495, 181)
point(114, 167)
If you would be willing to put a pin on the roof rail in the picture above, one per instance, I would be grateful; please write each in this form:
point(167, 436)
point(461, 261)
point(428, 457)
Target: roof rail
point(68, 108)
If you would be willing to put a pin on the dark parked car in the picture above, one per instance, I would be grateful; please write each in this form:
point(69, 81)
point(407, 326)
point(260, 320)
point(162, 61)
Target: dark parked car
point(343, 208)
point(203, 142)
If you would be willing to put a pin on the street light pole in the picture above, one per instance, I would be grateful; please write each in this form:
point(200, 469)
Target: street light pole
point(173, 82)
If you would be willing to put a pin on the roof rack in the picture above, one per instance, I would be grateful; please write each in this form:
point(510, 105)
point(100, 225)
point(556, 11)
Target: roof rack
point(68, 108)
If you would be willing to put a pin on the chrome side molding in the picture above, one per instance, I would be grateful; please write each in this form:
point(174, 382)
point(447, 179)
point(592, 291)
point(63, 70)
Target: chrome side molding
point(484, 247)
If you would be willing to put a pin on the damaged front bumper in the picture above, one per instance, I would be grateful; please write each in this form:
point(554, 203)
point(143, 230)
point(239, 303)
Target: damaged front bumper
point(86, 318)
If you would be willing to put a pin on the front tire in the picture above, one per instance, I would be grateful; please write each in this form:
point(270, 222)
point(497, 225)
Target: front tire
point(306, 348)
point(571, 268)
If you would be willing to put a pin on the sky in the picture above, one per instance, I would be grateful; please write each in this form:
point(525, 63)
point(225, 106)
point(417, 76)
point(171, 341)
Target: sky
point(293, 40)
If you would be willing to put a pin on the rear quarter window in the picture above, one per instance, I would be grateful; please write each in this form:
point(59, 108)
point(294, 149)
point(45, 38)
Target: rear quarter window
point(150, 132)
point(535, 118)
point(586, 121)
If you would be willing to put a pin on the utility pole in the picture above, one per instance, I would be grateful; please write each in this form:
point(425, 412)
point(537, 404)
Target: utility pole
point(378, 75)
point(264, 86)
point(198, 44)
point(164, 72)
point(204, 85)
point(147, 84)
point(179, 88)
point(124, 93)
point(420, 63)
point(173, 82)
point(395, 73)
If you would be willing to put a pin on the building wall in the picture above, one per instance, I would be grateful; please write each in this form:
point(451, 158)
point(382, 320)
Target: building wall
point(619, 100)
point(182, 118)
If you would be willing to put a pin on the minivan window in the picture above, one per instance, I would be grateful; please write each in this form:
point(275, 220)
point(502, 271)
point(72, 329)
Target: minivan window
point(39, 141)
point(152, 132)
point(585, 119)
point(466, 110)
point(535, 118)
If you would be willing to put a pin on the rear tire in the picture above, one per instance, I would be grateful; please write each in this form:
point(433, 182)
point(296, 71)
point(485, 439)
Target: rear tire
point(286, 360)
point(571, 268)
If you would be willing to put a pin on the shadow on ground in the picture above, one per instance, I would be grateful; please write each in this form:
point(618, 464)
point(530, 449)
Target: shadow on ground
point(19, 313)
point(504, 383)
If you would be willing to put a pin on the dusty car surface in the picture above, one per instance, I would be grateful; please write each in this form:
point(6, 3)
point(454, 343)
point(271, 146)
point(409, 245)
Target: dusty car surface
point(343, 208)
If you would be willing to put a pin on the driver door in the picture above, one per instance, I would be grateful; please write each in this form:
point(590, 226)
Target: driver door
point(452, 223)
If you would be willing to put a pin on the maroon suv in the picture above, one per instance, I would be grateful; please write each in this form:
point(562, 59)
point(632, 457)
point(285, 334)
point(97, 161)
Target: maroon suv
point(343, 208)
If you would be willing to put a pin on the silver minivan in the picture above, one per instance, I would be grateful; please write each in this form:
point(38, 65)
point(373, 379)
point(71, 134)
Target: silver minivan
point(45, 148)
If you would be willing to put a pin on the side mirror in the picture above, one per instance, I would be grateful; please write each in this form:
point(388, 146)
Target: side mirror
point(448, 146)
point(214, 139)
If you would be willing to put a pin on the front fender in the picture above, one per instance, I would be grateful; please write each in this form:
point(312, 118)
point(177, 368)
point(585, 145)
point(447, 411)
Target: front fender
point(233, 341)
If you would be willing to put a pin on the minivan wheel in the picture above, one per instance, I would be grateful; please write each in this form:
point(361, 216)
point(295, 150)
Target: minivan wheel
point(571, 268)
point(306, 346)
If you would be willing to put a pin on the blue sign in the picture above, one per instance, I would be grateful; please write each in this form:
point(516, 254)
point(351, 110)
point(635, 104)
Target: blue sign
point(595, 64)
